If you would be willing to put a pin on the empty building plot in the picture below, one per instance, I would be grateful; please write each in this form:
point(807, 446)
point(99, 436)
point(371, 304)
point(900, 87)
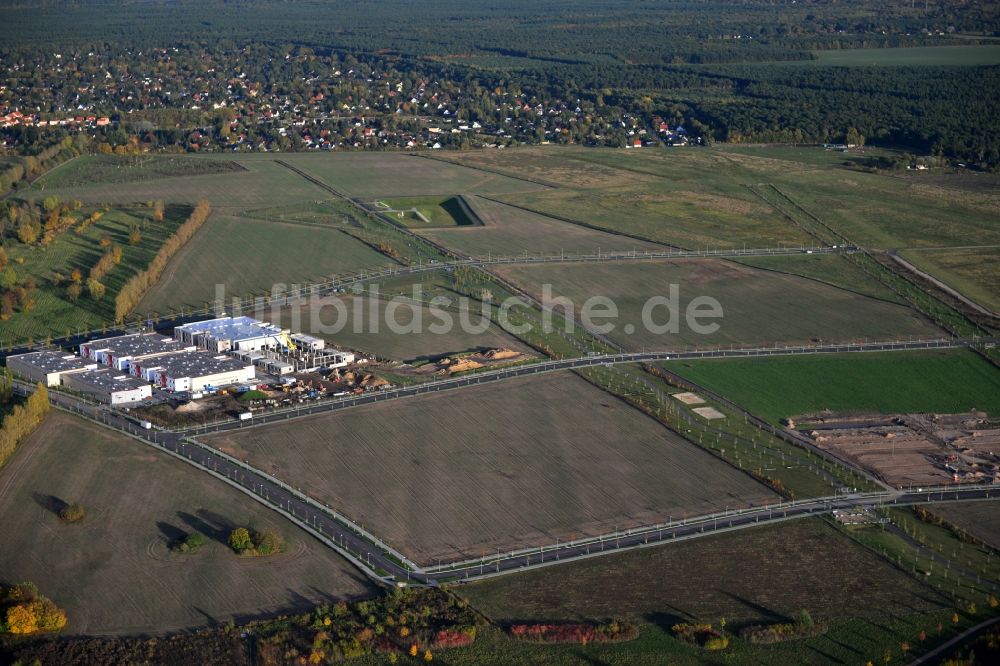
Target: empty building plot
point(47, 367)
point(497, 466)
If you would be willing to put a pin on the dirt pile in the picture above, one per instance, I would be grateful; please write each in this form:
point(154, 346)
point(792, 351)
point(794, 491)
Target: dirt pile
point(451, 366)
point(501, 354)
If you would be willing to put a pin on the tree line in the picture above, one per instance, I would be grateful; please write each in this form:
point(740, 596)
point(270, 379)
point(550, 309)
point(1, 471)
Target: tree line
point(39, 156)
point(136, 287)
point(23, 419)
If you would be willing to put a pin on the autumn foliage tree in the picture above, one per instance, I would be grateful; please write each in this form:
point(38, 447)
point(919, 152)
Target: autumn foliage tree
point(22, 421)
point(95, 289)
point(27, 612)
point(247, 542)
point(108, 260)
point(72, 513)
point(132, 292)
point(239, 540)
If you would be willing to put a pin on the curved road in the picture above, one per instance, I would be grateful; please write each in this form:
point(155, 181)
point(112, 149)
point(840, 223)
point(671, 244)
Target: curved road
point(381, 562)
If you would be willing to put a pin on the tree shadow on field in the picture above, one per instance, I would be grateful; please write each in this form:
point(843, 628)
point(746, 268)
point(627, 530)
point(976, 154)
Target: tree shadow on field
point(365, 584)
point(209, 523)
point(665, 621)
point(766, 614)
point(210, 619)
point(171, 533)
point(297, 600)
point(585, 658)
point(50, 503)
point(845, 646)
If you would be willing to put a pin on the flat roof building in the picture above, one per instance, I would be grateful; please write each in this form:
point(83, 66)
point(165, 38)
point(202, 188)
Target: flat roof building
point(121, 351)
point(308, 341)
point(47, 367)
point(194, 371)
point(230, 334)
point(109, 386)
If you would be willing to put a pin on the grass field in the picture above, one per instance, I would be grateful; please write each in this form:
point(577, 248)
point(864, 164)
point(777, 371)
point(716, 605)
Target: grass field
point(503, 467)
point(803, 156)
point(882, 212)
point(251, 255)
point(830, 268)
point(980, 519)
point(758, 306)
point(510, 230)
point(263, 183)
point(942, 381)
point(689, 198)
point(429, 212)
point(55, 312)
point(98, 169)
point(549, 165)
point(700, 197)
point(372, 175)
point(975, 55)
point(114, 572)
point(323, 319)
point(975, 272)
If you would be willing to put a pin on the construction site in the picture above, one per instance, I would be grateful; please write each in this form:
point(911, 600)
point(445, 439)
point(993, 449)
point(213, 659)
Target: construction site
point(912, 450)
point(201, 359)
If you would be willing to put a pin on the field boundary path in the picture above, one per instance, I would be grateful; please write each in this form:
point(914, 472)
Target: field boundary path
point(940, 285)
point(584, 225)
point(496, 172)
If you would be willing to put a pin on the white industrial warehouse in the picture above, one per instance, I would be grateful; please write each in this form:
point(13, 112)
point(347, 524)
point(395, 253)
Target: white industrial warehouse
point(200, 357)
point(124, 351)
point(47, 367)
point(109, 386)
point(197, 371)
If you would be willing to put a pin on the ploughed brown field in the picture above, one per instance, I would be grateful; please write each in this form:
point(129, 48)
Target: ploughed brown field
point(780, 569)
point(113, 572)
point(503, 466)
point(980, 519)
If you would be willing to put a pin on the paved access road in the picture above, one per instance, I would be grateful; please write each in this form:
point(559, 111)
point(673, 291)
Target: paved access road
point(335, 404)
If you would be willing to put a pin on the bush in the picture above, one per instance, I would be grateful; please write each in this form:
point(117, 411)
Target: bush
point(190, 544)
point(716, 643)
point(239, 540)
point(704, 635)
point(611, 632)
point(766, 634)
point(72, 513)
point(266, 542)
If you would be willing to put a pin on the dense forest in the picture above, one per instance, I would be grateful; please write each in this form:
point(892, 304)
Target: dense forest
point(311, 74)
